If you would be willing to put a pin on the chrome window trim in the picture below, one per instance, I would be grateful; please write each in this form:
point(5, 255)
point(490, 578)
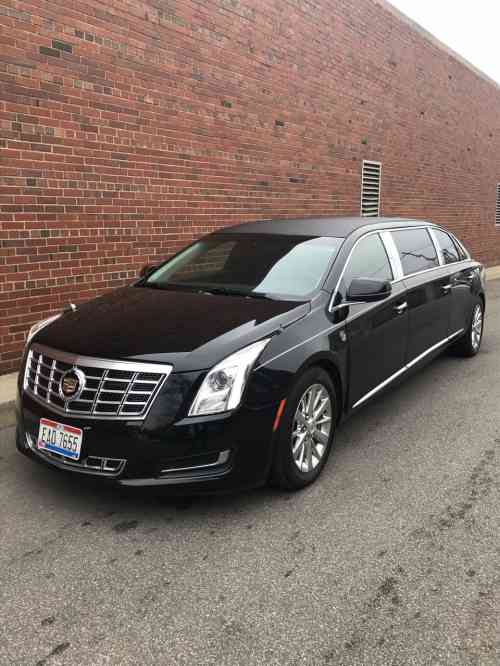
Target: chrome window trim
point(455, 240)
point(400, 271)
point(428, 270)
point(384, 233)
point(393, 254)
point(437, 247)
point(427, 228)
point(405, 368)
point(459, 243)
point(365, 235)
point(102, 363)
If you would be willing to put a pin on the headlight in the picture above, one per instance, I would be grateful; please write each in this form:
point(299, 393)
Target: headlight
point(223, 387)
point(38, 327)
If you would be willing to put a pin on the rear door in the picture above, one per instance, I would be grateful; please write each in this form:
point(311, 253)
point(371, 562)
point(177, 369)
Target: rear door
point(376, 332)
point(461, 274)
point(427, 291)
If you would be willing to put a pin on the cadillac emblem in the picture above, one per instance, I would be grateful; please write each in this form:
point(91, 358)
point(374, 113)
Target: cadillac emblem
point(72, 384)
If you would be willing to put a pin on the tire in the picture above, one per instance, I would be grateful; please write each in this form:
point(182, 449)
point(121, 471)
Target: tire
point(311, 440)
point(470, 344)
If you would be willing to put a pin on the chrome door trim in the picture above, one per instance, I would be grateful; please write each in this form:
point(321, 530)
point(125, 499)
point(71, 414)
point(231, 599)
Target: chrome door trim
point(380, 387)
point(401, 309)
point(433, 348)
point(406, 367)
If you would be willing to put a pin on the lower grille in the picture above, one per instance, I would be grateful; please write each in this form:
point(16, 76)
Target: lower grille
point(103, 388)
point(91, 465)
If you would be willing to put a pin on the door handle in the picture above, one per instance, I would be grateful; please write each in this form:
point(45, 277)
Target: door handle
point(447, 288)
point(401, 309)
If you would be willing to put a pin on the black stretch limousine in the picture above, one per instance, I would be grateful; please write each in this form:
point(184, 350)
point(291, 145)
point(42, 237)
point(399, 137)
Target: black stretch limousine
point(232, 364)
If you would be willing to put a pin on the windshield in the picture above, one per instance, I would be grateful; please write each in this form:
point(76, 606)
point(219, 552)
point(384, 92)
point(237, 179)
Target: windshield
point(250, 264)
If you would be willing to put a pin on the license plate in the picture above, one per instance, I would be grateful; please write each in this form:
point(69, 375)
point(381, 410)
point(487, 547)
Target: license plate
point(59, 438)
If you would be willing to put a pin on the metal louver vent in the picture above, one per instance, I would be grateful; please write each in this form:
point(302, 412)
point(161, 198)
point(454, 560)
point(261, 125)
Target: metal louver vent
point(370, 189)
point(497, 215)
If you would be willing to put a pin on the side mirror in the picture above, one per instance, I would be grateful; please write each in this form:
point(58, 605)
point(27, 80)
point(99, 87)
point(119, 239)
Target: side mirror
point(364, 290)
point(147, 270)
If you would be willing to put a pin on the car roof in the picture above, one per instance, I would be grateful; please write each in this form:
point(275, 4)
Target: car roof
point(334, 227)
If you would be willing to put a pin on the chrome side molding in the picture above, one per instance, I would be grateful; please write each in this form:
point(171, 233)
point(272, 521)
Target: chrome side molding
point(406, 367)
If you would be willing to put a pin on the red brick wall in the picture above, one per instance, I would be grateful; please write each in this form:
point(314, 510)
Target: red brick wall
point(127, 128)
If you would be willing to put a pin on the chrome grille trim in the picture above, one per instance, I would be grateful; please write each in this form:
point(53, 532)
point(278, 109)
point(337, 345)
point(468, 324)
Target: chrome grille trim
point(97, 465)
point(222, 458)
point(45, 367)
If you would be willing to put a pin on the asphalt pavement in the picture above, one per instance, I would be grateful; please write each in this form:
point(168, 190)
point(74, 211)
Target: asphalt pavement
point(392, 558)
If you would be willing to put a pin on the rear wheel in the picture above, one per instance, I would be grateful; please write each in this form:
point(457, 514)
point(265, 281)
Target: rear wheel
point(470, 344)
point(306, 431)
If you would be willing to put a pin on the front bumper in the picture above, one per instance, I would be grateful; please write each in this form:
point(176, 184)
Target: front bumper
point(208, 454)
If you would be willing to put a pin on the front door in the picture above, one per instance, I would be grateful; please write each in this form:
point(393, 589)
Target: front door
point(377, 332)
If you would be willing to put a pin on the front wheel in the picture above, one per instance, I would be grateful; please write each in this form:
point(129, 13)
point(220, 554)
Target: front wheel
point(470, 344)
point(306, 431)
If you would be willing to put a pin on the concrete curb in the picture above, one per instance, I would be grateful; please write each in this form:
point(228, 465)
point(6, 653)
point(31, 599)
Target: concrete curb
point(8, 382)
point(7, 399)
point(493, 273)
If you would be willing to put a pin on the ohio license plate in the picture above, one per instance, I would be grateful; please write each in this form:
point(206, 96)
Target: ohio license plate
point(59, 438)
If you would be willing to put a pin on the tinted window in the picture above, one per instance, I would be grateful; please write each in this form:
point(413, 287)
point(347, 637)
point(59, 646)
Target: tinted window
point(447, 247)
point(368, 260)
point(416, 250)
point(250, 264)
point(460, 250)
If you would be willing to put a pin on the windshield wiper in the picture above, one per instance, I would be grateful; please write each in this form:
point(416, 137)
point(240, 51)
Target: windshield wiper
point(199, 289)
point(165, 286)
point(223, 291)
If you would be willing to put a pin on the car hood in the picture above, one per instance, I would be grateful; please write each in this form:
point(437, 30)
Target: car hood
point(192, 331)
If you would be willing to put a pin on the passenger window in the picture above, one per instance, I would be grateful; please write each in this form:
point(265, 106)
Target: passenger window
point(447, 247)
point(461, 252)
point(416, 250)
point(368, 260)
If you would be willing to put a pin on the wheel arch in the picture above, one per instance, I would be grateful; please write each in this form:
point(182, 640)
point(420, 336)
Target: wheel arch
point(483, 300)
point(328, 364)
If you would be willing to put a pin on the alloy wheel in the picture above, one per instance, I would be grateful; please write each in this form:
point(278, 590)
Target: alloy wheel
point(311, 428)
point(477, 327)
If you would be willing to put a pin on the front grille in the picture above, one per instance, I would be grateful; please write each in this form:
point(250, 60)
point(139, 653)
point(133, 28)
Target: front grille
point(111, 389)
